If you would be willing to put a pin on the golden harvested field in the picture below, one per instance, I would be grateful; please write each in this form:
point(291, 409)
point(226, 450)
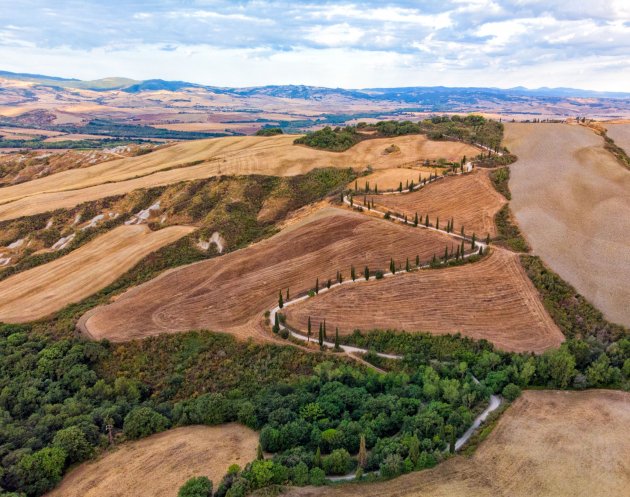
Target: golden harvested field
point(571, 199)
point(275, 156)
point(548, 444)
point(389, 179)
point(470, 200)
point(38, 292)
point(491, 299)
point(621, 134)
point(231, 293)
point(160, 464)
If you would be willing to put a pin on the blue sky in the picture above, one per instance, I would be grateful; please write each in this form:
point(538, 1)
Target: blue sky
point(503, 43)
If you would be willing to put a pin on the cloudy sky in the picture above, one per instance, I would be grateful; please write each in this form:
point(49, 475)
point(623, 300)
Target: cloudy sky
point(502, 43)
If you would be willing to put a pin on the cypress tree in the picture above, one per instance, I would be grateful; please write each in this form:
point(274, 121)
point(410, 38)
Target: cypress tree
point(362, 456)
point(341, 197)
point(259, 453)
point(321, 335)
point(473, 241)
point(457, 254)
point(437, 223)
point(452, 225)
point(351, 201)
point(415, 220)
point(366, 273)
point(317, 460)
point(407, 185)
point(462, 249)
point(356, 185)
point(375, 188)
point(287, 299)
point(280, 302)
point(488, 239)
point(411, 186)
point(426, 221)
point(400, 187)
point(353, 273)
point(445, 253)
point(434, 259)
point(337, 338)
point(405, 218)
point(462, 232)
point(328, 283)
point(308, 328)
point(417, 261)
point(407, 267)
point(316, 286)
point(480, 249)
point(367, 186)
point(276, 323)
point(340, 277)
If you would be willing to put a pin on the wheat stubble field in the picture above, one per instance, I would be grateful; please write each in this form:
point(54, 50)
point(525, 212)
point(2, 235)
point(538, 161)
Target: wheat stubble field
point(231, 293)
point(470, 200)
point(491, 299)
point(160, 464)
point(548, 443)
point(43, 290)
point(621, 134)
point(569, 196)
point(212, 157)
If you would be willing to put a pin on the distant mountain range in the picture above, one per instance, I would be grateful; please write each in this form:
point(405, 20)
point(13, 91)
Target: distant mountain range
point(419, 95)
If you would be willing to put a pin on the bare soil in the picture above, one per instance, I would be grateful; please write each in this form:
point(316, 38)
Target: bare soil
point(231, 293)
point(160, 464)
point(548, 444)
point(38, 292)
point(492, 299)
point(570, 198)
point(469, 200)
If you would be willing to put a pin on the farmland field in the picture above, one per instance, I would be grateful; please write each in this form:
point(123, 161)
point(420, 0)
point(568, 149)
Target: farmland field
point(232, 292)
point(492, 299)
point(548, 443)
point(390, 179)
point(470, 200)
point(567, 196)
point(160, 464)
point(621, 134)
point(38, 292)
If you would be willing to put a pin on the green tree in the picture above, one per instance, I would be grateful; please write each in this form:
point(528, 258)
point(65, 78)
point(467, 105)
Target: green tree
point(473, 242)
point(317, 286)
point(199, 486)
point(417, 261)
point(400, 188)
point(366, 273)
point(321, 335)
point(560, 367)
point(276, 324)
point(40, 471)
point(317, 476)
point(426, 220)
point(259, 453)
point(337, 463)
point(407, 266)
point(353, 273)
point(144, 421)
point(317, 458)
point(299, 474)
point(414, 449)
point(511, 392)
point(415, 220)
point(362, 455)
point(280, 301)
point(74, 443)
point(308, 327)
point(437, 223)
point(599, 373)
point(337, 339)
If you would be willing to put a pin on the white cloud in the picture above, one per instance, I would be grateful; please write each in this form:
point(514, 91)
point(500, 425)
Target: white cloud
point(336, 35)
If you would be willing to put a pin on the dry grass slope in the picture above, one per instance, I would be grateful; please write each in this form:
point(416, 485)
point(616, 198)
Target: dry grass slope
point(491, 299)
point(548, 444)
point(205, 158)
point(570, 198)
point(38, 292)
point(232, 292)
point(470, 200)
point(160, 464)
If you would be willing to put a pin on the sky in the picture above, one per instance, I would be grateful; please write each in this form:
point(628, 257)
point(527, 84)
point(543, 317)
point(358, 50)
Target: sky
point(492, 43)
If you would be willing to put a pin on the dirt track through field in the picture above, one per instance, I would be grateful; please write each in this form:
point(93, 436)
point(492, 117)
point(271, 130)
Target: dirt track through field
point(232, 292)
point(492, 299)
point(219, 156)
point(548, 444)
point(469, 199)
point(43, 290)
point(571, 199)
point(159, 465)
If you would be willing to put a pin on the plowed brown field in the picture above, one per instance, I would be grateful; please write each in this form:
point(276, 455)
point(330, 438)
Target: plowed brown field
point(548, 444)
point(160, 464)
point(571, 199)
point(38, 292)
point(228, 156)
point(491, 299)
point(231, 293)
point(470, 200)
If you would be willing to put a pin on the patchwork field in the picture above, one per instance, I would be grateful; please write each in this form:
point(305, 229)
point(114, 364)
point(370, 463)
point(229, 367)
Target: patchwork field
point(492, 299)
point(239, 155)
point(38, 292)
point(160, 464)
point(470, 200)
point(567, 196)
point(390, 179)
point(548, 443)
point(232, 292)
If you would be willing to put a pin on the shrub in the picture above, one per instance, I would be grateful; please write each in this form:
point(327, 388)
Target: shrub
point(317, 476)
point(337, 463)
point(199, 486)
point(74, 442)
